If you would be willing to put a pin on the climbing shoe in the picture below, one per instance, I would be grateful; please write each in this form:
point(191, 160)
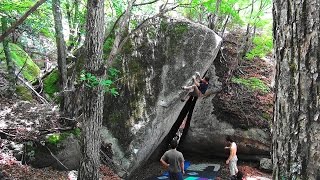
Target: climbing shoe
point(198, 75)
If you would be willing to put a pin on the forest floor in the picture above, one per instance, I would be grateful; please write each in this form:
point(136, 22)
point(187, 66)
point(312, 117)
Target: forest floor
point(21, 120)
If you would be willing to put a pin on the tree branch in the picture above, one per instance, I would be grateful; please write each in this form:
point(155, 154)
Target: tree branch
point(124, 40)
point(30, 87)
point(20, 21)
point(114, 26)
point(141, 4)
point(120, 33)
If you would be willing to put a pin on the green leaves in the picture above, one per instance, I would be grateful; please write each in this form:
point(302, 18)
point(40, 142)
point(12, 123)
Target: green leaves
point(53, 138)
point(252, 83)
point(113, 72)
point(91, 81)
point(263, 45)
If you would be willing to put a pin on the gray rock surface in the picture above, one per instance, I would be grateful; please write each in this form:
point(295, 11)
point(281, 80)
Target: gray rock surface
point(70, 154)
point(156, 63)
point(65, 157)
point(266, 164)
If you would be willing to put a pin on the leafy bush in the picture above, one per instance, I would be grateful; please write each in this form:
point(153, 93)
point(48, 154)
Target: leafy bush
point(262, 46)
point(252, 83)
point(56, 138)
point(91, 80)
point(53, 138)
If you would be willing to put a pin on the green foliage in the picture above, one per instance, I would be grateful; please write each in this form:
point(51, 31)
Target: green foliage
point(53, 138)
point(39, 22)
point(252, 83)
point(30, 71)
point(118, 6)
point(263, 45)
point(107, 46)
point(24, 93)
point(11, 6)
point(89, 80)
point(51, 83)
point(76, 132)
point(56, 138)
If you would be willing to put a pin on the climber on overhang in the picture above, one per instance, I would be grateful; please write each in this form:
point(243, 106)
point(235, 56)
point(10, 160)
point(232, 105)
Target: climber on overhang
point(198, 88)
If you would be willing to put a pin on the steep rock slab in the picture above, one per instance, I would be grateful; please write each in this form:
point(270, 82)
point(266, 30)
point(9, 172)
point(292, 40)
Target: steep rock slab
point(157, 61)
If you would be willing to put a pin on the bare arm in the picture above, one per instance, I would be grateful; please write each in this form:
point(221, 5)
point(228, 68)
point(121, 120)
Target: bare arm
point(182, 167)
point(195, 81)
point(164, 164)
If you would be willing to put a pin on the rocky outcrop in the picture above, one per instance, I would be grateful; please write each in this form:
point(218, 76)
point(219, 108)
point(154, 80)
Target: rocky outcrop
point(156, 63)
point(221, 114)
point(266, 164)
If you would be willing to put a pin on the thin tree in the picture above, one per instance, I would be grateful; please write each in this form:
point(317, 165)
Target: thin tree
point(296, 123)
point(213, 17)
point(10, 64)
point(93, 96)
point(61, 50)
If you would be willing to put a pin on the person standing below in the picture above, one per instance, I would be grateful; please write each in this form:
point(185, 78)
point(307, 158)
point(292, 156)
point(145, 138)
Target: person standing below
point(232, 159)
point(198, 88)
point(173, 161)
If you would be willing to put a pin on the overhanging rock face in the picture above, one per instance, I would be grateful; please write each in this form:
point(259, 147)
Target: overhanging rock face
point(156, 62)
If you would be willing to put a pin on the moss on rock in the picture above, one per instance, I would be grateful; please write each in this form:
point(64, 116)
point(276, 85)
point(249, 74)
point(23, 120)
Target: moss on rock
point(24, 93)
point(30, 71)
point(51, 83)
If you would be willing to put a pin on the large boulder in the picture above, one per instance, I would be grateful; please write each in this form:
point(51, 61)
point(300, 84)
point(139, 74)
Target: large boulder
point(157, 61)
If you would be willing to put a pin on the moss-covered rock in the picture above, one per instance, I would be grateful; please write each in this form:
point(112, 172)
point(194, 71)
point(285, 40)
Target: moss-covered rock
point(51, 83)
point(24, 93)
point(21, 59)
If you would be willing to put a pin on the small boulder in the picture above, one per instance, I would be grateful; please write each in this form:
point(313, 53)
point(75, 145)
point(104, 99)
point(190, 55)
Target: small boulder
point(70, 155)
point(266, 164)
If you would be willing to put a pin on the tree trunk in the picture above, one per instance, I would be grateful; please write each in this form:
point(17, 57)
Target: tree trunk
point(247, 36)
point(93, 97)
point(73, 22)
point(10, 64)
point(225, 26)
point(296, 123)
point(61, 50)
point(212, 19)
